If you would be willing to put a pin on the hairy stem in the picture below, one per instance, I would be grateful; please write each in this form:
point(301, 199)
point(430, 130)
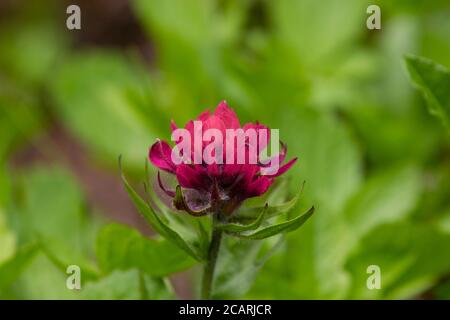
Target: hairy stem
point(210, 264)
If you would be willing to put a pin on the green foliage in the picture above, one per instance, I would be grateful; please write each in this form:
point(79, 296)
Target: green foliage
point(19, 118)
point(119, 247)
point(31, 45)
point(326, 143)
point(433, 80)
point(7, 236)
point(161, 226)
point(403, 253)
point(304, 25)
point(104, 99)
point(238, 265)
point(237, 228)
point(284, 227)
point(11, 269)
point(375, 163)
point(52, 213)
point(270, 210)
point(7, 239)
point(127, 285)
point(52, 205)
point(386, 197)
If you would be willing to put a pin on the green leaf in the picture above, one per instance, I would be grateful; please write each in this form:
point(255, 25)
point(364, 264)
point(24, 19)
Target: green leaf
point(330, 163)
point(120, 247)
point(433, 81)
point(159, 226)
point(236, 228)
point(12, 268)
point(203, 234)
point(52, 206)
point(29, 47)
point(42, 279)
point(20, 118)
point(303, 26)
point(288, 226)
point(239, 264)
point(52, 212)
point(270, 210)
point(127, 285)
point(442, 292)
point(7, 239)
point(62, 256)
point(411, 256)
point(237, 267)
point(104, 100)
point(386, 197)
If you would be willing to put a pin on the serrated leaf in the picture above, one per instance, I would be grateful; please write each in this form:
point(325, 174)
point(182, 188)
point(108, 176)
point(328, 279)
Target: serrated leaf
point(236, 228)
point(120, 247)
point(156, 223)
point(433, 81)
point(283, 227)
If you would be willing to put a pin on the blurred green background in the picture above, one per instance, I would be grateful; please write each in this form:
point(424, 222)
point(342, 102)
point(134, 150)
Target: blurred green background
point(375, 162)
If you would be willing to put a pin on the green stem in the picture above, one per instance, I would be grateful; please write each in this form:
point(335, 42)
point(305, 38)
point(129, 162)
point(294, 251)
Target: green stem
point(210, 264)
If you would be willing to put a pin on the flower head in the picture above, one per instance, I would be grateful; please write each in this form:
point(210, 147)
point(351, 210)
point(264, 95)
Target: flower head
point(218, 174)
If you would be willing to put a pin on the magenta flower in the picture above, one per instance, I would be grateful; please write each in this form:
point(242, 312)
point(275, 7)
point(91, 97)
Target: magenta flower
point(221, 186)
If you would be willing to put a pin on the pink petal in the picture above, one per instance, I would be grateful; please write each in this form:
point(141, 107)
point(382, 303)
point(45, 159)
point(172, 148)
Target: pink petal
point(214, 122)
point(248, 172)
point(238, 176)
point(160, 154)
point(193, 177)
point(229, 173)
point(259, 127)
point(204, 115)
point(213, 170)
point(281, 156)
point(283, 169)
point(258, 187)
point(227, 115)
point(190, 127)
point(173, 125)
